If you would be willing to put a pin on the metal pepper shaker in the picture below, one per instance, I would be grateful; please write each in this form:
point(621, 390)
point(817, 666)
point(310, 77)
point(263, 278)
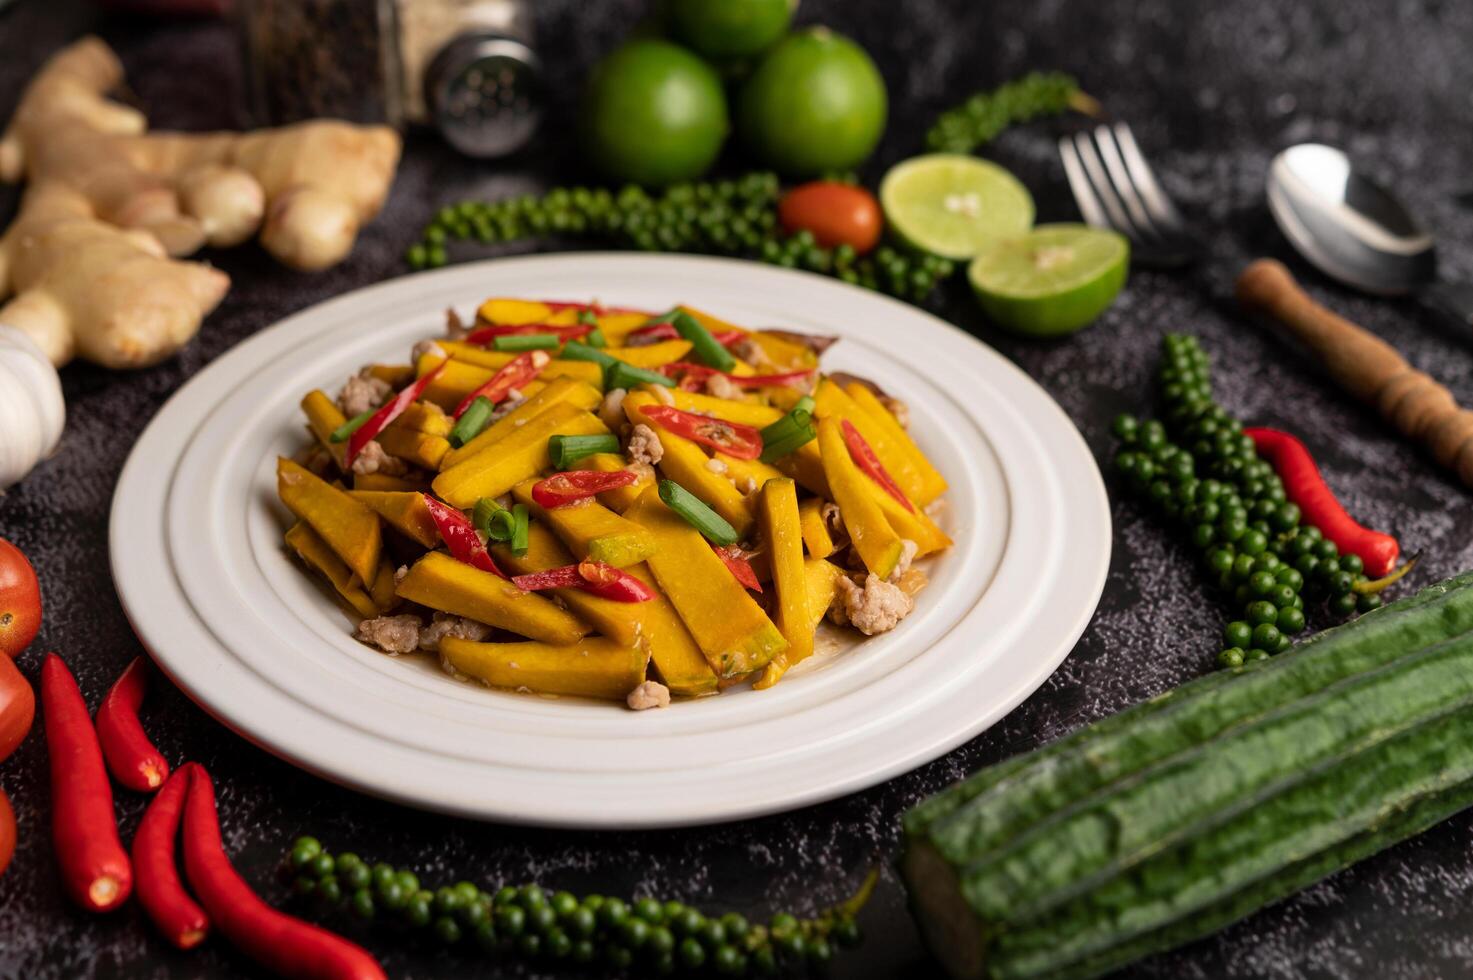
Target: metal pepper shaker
point(471, 72)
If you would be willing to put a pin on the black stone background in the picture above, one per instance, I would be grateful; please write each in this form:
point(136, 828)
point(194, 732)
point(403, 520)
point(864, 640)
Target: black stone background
point(1213, 89)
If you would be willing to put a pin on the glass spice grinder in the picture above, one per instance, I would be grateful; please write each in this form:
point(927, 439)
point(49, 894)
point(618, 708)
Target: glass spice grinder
point(466, 68)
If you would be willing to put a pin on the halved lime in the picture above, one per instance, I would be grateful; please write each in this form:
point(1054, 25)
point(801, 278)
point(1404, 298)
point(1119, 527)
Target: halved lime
point(954, 206)
point(1052, 281)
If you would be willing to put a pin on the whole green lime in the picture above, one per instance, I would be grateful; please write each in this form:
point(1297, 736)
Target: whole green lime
point(816, 104)
point(722, 30)
point(653, 114)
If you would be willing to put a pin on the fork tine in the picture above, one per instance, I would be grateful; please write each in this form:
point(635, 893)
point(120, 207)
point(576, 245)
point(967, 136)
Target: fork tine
point(1095, 169)
point(1162, 210)
point(1121, 182)
point(1084, 195)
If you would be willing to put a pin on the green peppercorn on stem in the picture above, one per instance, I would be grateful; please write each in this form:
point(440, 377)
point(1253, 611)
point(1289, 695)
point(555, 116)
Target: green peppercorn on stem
point(527, 921)
point(728, 217)
point(984, 116)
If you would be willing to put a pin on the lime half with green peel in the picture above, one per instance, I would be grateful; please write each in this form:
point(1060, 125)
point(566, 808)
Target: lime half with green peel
point(954, 206)
point(1052, 281)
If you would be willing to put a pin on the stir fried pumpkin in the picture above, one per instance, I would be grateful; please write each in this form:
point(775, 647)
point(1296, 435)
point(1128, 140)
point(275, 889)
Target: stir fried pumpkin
point(661, 504)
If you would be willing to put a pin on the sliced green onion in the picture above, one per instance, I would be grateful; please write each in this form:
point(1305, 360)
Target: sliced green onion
point(472, 422)
point(805, 404)
point(345, 431)
point(706, 348)
point(575, 351)
point(483, 516)
point(526, 341)
point(621, 375)
point(596, 338)
point(790, 432)
point(585, 317)
point(567, 450)
point(697, 514)
point(518, 543)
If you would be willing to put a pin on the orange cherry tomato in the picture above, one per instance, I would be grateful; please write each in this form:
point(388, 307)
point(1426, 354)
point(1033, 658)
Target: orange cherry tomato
point(7, 832)
point(17, 707)
point(836, 214)
point(20, 601)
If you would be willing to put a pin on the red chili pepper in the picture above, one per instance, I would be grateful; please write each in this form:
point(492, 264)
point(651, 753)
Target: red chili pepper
point(739, 566)
point(513, 374)
point(864, 457)
point(665, 330)
point(732, 438)
point(160, 891)
point(94, 867)
point(562, 489)
point(392, 409)
point(484, 335)
point(591, 576)
point(133, 760)
point(685, 371)
point(1304, 485)
point(280, 942)
point(460, 536)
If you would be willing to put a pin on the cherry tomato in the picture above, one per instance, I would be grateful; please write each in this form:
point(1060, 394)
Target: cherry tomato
point(7, 832)
point(836, 214)
point(17, 707)
point(20, 601)
point(732, 438)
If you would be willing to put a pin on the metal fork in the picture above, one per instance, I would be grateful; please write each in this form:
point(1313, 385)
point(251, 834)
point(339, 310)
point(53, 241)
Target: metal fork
point(1115, 188)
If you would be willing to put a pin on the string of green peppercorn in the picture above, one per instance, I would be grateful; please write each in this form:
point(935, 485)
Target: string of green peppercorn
point(984, 116)
point(660, 937)
point(736, 217)
point(1202, 473)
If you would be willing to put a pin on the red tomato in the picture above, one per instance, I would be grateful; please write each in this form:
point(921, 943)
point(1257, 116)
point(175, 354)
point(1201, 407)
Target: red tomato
point(837, 214)
point(17, 707)
point(7, 832)
point(20, 601)
point(732, 438)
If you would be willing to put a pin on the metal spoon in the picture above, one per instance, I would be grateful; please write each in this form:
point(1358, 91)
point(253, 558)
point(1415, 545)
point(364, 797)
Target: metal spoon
point(1354, 231)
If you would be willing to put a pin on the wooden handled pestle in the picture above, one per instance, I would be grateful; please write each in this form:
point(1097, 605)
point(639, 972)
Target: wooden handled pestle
point(1366, 366)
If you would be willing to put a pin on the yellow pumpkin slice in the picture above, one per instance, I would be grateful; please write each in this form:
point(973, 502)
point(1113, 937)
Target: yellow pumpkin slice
point(440, 582)
point(458, 379)
point(558, 391)
point(424, 451)
point(777, 514)
point(731, 629)
point(619, 499)
point(654, 626)
point(686, 464)
point(350, 529)
point(832, 402)
point(404, 511)
point(816, 537)
point(324, 418)
point(932, 483)
point(591, 530)
point(596, 667)
point(310, 547)
point(520, 456)
point(382, 482)
point(869, 531)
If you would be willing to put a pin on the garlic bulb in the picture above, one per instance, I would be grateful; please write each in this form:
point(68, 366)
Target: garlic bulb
point(32, 412)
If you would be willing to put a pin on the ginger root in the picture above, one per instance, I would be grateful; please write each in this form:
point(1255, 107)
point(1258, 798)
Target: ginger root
point(109, 202)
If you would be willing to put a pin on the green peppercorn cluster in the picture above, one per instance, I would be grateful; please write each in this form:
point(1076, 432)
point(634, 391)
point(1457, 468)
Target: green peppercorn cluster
point(1202, 473)
point(985, 115)
point(727, 217)
point(643, 936)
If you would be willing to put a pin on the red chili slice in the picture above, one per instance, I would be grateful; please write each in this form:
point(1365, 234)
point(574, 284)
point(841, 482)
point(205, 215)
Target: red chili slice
point(160, 891)
point(864, 457)
point(513, 374)
point(133, 760)
point(460, 536)
point(732, 438)
point(392, 409)
point(595, 577)
point(562, 489)
point(665, 330)
point(482, 336)
point(285, 945)
point(739, 566)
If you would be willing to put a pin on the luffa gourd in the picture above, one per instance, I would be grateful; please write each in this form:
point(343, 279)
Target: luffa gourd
point(32, 412)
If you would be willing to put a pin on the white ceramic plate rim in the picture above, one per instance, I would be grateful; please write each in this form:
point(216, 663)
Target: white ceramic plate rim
point(195, 553)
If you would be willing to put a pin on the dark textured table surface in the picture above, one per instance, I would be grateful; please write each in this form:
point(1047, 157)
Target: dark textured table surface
point(1213, 89)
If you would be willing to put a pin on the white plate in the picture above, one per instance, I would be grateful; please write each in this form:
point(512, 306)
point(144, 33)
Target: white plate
point(199, 565)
